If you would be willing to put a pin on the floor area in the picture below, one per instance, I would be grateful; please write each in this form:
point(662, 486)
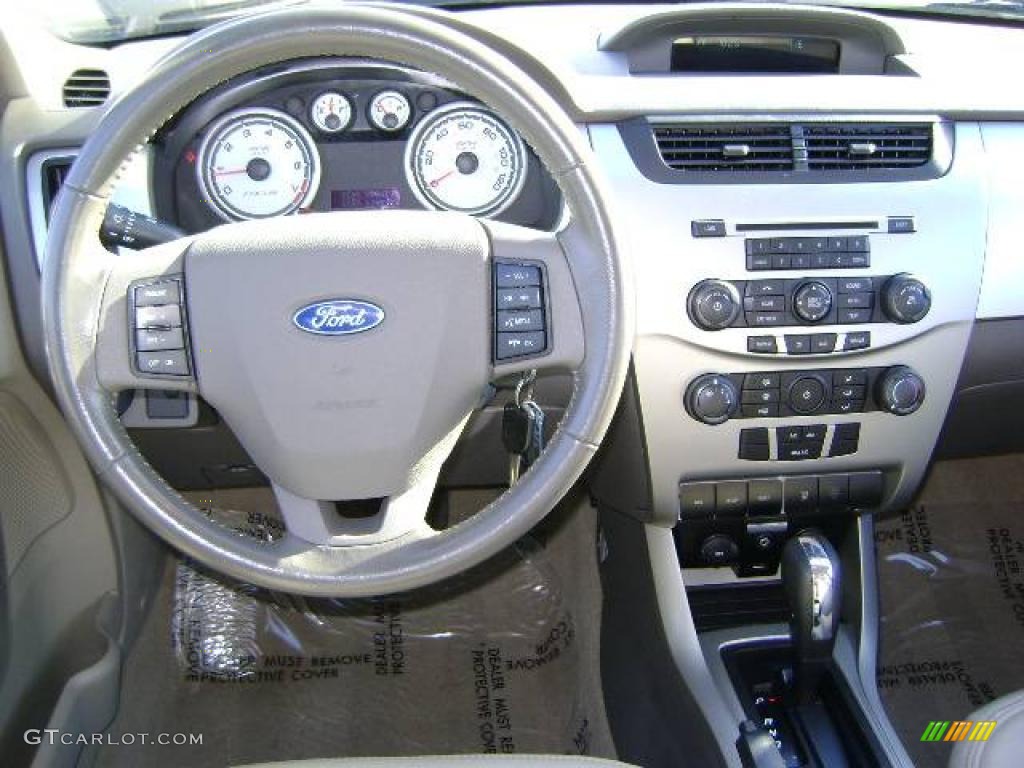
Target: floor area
point(951, 573)
point(503, 659)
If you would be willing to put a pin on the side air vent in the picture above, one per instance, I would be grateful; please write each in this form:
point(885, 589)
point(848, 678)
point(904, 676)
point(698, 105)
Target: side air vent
point(54, 171)
point(86, 88)
point(846, 147)
point(725, 148)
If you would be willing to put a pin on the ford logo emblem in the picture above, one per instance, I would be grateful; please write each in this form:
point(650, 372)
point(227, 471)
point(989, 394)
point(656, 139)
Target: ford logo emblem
point(338, 317)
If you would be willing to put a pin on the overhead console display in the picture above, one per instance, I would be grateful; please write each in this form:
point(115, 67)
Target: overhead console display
point(755, 54)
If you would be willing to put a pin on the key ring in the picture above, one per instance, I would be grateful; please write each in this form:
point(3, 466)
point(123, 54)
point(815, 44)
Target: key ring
point(524, 389)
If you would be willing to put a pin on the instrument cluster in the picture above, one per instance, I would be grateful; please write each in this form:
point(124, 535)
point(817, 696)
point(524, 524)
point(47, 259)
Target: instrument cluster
point(340, 135)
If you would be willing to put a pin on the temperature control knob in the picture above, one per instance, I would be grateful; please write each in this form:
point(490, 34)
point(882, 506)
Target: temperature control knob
point(714, 304)
point(905, 299)
point(900, 390)
point(812, 301)
point(712, 398)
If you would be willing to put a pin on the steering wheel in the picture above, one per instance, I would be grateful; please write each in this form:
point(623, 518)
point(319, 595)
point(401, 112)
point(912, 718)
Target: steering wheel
point(346, 416)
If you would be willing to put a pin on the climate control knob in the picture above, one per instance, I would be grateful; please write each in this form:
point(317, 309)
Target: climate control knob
point(905, 299)
point(714, 304)
point(900, 390)
point(812, 301)
point(712, 398)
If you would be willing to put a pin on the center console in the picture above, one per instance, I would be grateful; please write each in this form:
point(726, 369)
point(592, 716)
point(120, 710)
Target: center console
point(798, 344)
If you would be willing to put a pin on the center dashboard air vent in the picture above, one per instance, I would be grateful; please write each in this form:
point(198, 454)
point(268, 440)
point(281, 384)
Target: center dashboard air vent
point(690, 148)
point(850, 147)
point(808, 151)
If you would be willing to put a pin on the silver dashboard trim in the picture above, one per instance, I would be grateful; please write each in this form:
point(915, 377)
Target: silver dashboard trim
point(37, 212)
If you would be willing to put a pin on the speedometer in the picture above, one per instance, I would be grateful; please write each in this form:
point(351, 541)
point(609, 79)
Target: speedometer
point(464, 158)
point(256, 163)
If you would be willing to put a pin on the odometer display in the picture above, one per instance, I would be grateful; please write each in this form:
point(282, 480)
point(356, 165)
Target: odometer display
point(257, 163)
point(464, 158)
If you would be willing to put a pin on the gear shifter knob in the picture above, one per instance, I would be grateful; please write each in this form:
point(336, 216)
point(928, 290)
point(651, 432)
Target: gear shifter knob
point(810, 577)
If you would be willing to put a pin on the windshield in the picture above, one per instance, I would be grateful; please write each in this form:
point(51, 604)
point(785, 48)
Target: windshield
point(107, 21)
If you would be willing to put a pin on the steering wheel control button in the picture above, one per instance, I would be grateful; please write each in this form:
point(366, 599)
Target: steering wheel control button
point(162, 316)
point(812, 302)
point(516, 275)
point(520, 320)
point(159, 339)
point(168, 363)
point(806, 395)
point(714, 304)
point(167, 292)
point(754, 445)
point(518, 298)
point(857, 340)
point(696, 499)
point(905, 299)
point(900, 391)
point(712, 399)
point(707, 228)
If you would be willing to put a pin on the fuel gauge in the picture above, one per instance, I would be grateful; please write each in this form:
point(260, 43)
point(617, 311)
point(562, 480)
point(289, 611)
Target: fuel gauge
point(390, 111)
point(331, 112)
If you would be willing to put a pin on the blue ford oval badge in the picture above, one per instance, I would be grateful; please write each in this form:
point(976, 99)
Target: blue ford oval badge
point(338, 317)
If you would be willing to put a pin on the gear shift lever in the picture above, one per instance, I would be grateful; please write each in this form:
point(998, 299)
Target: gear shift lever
point(810, 577)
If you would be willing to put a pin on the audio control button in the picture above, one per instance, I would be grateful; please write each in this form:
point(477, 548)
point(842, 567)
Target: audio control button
point(812, 301)
point(714, 304)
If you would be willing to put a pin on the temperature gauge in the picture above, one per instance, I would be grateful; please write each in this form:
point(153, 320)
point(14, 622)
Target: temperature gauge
point(331, 112)
point(390, 111)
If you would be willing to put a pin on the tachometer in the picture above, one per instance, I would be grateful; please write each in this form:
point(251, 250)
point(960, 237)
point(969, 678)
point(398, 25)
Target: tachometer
point(256, 163)
point(464, 158)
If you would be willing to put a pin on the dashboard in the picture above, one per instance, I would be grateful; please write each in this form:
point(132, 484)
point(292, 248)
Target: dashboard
point(335, 134)
point(827, 262)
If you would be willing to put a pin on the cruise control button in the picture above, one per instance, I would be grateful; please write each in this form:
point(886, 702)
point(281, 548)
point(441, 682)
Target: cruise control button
point(521, 321)
point(165, 292)
point(518, 298)
point(519, 344)
point(763, 345)
point(155, 340)
point(169, 363)
point(857, 340)
point(516, 275)
point(163, 316)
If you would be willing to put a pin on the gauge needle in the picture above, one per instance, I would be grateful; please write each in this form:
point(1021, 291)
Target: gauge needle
point(228, 173)
point(439, 179)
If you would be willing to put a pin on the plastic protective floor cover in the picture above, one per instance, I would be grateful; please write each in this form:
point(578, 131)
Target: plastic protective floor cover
point(951, 573)
point(502, 660)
